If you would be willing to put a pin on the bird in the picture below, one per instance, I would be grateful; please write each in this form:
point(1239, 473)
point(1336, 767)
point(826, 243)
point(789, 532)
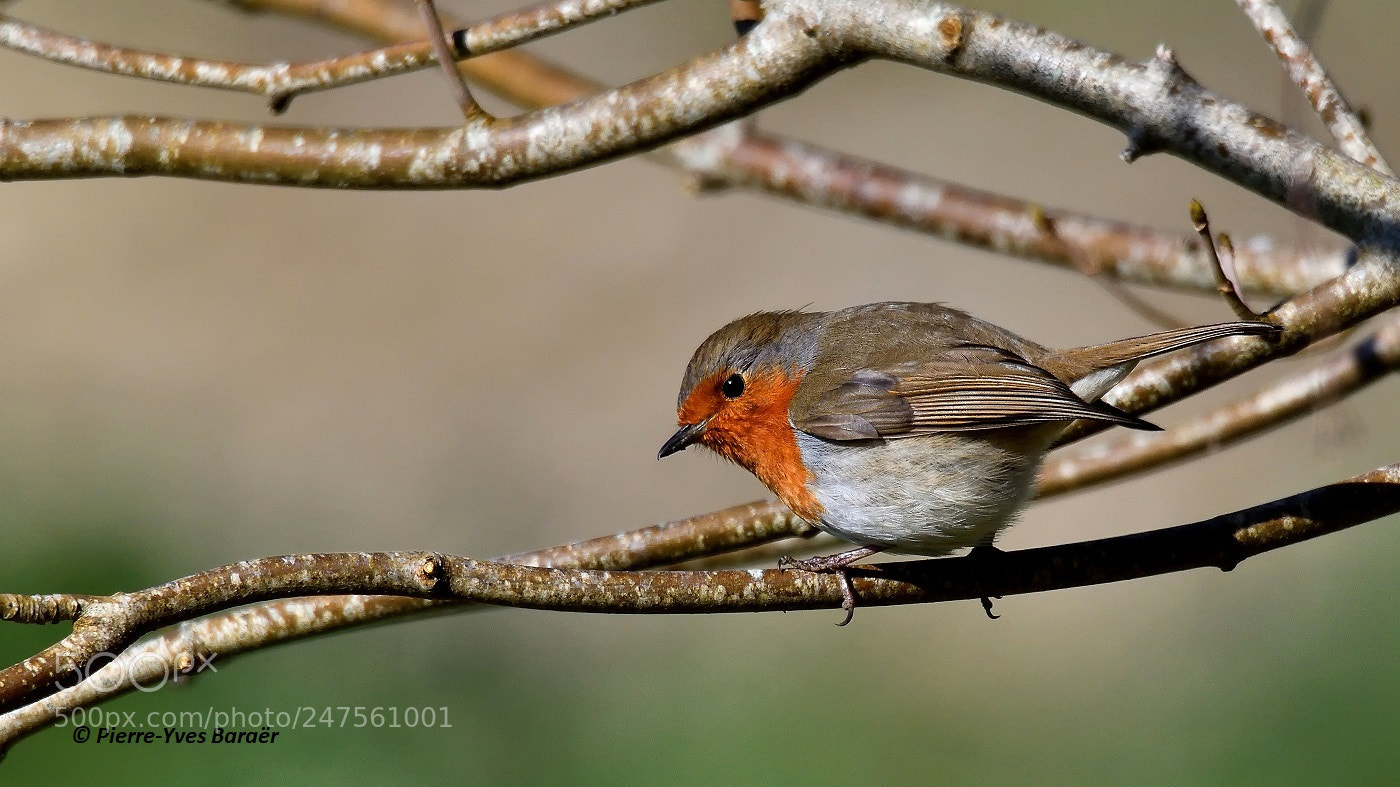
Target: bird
point(909, 427)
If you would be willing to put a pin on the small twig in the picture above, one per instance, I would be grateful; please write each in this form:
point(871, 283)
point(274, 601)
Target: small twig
point(1307, 73)
point(441, 48)
point(1223, 282)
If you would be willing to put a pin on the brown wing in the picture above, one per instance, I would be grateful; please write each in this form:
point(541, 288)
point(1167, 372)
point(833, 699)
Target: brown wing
point(967, 388)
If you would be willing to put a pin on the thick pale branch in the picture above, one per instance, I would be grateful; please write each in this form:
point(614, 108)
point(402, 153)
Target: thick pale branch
point(730, 157)
point(770, 63)
point(1307, 73)
point(779, 166)
point(1156, 103)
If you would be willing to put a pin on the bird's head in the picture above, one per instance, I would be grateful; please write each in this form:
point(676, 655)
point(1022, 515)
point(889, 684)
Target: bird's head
point(735, 395)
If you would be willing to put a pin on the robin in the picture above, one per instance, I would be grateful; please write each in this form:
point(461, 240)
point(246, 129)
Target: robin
point(909, 427)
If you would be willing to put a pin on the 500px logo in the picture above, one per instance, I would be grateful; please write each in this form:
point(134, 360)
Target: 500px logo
point(145, 672)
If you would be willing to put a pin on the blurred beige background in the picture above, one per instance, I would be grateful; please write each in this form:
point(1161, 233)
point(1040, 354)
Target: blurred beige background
point(195, 373)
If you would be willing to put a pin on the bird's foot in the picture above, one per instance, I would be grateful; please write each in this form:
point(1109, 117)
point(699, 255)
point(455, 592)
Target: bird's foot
point(986, 552)
point(828, 564)
point(834, 564)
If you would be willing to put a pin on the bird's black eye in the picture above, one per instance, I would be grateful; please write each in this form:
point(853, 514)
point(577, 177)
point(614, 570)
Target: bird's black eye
point(733, 386)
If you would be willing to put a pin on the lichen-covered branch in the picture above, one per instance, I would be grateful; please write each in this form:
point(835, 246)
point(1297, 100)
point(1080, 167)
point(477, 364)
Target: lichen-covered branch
point(1220, 542)
point(731, 529)
point(733, 156)
point(1307, 73)
point(720, 158)
point(1224, 283)
point(1156, 103)
point(486, 152)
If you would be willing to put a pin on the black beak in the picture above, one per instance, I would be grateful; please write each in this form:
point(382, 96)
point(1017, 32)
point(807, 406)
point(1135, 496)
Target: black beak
point(683, 437)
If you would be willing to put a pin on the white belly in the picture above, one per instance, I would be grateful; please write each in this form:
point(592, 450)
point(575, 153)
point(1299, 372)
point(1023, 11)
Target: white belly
point(926, 495)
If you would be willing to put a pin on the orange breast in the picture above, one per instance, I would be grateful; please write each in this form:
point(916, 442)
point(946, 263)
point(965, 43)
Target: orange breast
point(755, 432)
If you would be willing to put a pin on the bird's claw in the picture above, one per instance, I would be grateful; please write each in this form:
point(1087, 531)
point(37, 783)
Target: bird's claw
point(833, 564)
point(987, 607)
point(986, 552)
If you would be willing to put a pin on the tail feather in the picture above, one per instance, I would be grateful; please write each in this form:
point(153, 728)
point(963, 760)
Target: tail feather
point(1080, 362)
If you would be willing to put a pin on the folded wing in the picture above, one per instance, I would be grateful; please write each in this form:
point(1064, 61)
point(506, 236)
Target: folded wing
point(966, 388)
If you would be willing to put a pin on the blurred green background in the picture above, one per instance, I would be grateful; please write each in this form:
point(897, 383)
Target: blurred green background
point(196, 373)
